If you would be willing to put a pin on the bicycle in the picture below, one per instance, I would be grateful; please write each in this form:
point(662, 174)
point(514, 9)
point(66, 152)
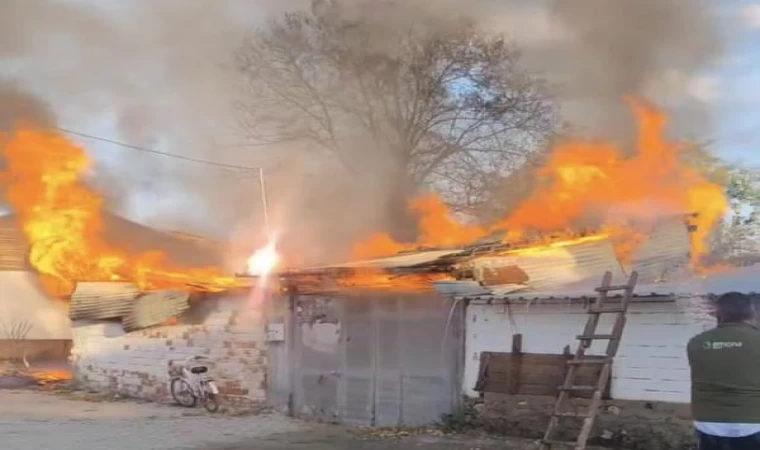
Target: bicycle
point(187, 393)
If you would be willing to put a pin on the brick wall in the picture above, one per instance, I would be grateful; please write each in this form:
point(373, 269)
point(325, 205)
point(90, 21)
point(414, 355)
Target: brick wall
point(231, 334)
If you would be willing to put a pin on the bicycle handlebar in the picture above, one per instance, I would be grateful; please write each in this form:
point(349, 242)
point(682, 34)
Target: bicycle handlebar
point(193, 358)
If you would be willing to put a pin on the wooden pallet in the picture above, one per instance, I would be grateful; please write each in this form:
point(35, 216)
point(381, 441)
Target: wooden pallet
point(561, 412)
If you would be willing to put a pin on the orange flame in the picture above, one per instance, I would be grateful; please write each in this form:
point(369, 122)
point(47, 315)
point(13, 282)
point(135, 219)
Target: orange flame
point(62, 219)
point(378, 279)
point(590, 181)
point(437, 229)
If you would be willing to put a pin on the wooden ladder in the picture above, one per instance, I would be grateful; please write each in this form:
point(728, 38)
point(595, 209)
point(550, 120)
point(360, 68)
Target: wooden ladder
point(602, 306)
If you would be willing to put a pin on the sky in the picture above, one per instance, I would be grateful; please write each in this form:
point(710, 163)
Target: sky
point(735, 89)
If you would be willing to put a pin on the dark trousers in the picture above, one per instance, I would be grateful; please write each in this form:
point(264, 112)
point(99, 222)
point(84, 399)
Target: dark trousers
point(708, 442)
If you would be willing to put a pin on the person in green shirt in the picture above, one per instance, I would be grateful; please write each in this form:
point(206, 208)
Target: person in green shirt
point(725, 377)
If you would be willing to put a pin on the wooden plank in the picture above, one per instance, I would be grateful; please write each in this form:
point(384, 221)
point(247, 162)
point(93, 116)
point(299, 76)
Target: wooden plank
point(517, 362)
point(532, 374)
point(502, 361)
point(482, 371)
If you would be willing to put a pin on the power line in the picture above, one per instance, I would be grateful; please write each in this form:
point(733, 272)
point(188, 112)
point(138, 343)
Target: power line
point(157, 152)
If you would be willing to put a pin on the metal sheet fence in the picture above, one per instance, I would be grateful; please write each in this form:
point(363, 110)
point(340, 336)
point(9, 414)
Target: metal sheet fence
point(376, 359)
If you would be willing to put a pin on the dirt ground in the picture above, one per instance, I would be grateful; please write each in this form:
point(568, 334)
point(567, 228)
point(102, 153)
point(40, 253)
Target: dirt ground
point(72, 421)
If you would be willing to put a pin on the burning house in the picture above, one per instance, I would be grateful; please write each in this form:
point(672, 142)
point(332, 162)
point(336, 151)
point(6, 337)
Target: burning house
point(401, 335)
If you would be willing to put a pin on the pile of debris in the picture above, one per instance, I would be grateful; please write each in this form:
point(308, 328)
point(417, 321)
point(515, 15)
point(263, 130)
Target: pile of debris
point(16, 376)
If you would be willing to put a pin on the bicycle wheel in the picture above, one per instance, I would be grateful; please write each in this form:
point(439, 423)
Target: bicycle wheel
point(211, 402)
point(182, 393)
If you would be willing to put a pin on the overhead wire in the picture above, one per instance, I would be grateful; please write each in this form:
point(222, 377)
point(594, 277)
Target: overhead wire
point(156, 152)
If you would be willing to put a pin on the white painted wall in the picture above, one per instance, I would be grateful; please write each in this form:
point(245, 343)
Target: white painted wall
point(21, 298)
point(651, 363)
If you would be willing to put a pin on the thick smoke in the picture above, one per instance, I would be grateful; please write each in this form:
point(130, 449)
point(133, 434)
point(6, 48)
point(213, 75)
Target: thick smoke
point(18, 106)
point(597, 51)
point(153, 74)
point(653, 48)
point(157, 74)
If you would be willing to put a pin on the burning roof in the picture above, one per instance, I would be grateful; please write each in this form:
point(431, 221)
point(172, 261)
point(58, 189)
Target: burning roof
point(71, 238)
point(490, 268)
point(542, 243)
point(589, 185)
point(187, 252)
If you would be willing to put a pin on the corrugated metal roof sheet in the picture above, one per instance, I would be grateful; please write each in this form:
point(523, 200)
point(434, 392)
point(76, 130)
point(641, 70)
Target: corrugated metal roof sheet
point(398, 261)
point(585, 290)
point(155, 309)
point(13, 247)
point(744, 279)
point(181, 251)
point(665, 249)
point(575, 271)
point(102, 300)
point(552, 267)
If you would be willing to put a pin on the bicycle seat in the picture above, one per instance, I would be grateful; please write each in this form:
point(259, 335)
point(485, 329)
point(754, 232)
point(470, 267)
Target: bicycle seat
point(199, 369)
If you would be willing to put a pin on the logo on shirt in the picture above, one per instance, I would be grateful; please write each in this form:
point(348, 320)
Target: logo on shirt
point(721, 345)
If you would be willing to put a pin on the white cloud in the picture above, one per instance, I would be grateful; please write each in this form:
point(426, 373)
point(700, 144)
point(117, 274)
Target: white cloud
point(703, 88)
point(675, 85)
point(750, 15)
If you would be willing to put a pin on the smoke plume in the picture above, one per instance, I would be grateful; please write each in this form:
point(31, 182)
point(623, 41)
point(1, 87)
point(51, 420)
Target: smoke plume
point(157, 74)
point(153, 74)
point(597, 51)
point(653, 48)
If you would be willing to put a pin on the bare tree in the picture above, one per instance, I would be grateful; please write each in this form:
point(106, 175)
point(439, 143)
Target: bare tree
point(441, 102)
point(16, 332)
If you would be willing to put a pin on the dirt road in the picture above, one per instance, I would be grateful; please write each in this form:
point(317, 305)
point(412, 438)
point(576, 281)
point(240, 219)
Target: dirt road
point(45, 421)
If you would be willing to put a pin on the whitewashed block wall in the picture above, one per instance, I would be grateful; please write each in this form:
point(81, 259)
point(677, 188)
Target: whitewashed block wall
point(651, 363)
point(233, 337)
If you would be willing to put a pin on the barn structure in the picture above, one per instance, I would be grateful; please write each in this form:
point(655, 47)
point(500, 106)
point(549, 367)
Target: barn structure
point(670, 306)
point(23, 301)
point(406, 339)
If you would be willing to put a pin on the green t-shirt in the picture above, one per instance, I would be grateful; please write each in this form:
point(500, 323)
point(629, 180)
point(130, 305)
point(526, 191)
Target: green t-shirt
point(725, 374)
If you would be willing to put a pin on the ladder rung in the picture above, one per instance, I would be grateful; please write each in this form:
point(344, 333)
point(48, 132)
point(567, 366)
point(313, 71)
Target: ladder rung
point(606, 310)
point(590, 337)
point(570, 414)
point(620, 287)
point(577, 362)
point(553, 442)
point(578, 388)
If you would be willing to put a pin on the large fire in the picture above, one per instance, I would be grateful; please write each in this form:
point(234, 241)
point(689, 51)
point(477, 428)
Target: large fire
point(588, 182)
point(62, 219)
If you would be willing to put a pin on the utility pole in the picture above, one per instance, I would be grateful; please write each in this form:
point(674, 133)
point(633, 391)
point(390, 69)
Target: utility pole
point(264, 203)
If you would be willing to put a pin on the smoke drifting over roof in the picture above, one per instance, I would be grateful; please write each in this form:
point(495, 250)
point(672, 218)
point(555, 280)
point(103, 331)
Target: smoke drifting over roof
point(158, 74)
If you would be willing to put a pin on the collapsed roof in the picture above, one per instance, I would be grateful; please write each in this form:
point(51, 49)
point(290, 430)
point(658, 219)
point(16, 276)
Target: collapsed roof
point(181, 249)
point(491, 269)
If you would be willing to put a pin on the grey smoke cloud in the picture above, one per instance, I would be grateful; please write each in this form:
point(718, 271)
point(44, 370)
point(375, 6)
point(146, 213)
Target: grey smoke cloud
point(597, 51)
point(158, 74)
point(17, 105)
point(153, 74)
point(653, 48)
